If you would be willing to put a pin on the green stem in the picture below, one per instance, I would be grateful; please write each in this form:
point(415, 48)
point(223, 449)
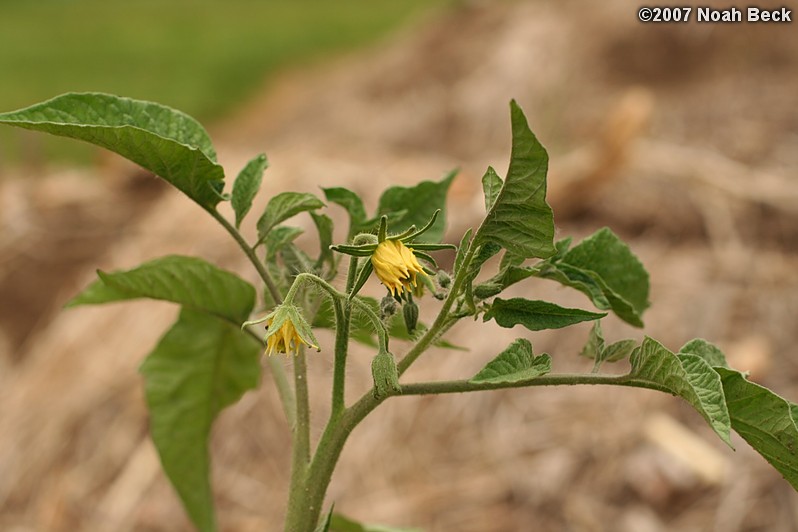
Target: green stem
point(306, 504)
point(250, 252)
point(440, 387)
point(443, 321)
point(283, 389)
point(326, 457)
point(300, 455)
point(333, 440)
point(280, 380)
point(342, 321)
point(343, 316)
point(379, 326)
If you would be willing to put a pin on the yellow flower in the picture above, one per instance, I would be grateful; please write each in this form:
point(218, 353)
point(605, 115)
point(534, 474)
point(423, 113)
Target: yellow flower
point(396, 266)
point(286, 331)
point(282, 340)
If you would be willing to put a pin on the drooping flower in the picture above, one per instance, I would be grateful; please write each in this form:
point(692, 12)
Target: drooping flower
point(395, 258)
point(396, 266)
point(284, 340)
point(286, 330)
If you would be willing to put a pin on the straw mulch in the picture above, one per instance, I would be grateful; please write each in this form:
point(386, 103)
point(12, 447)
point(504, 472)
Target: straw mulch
point(680, 138)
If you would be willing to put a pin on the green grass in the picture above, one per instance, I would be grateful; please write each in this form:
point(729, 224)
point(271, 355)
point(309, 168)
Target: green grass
point(200, 56)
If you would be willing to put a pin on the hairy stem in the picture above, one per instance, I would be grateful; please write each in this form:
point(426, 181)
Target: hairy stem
point(300, 452)
point(343, 316)
point(287, 398)
point(443, 321)
point(461, 386)
point(342, 319)
point(250, 253)
point(326, 457)
point(284, 390)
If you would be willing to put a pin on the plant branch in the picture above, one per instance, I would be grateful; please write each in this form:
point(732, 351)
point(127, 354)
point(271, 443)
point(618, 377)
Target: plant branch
point(326, 457)
point(443, 321)
point(461, 386)
point(342, 320)
point(300, 452)
point(250, 253)
point(303, 406)
point(343, 315)
point(379, 326)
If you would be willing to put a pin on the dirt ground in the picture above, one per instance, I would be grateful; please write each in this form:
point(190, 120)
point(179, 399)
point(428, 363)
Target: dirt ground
point(682, 138)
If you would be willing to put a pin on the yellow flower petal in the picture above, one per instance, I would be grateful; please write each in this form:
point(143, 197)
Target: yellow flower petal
point(396, 266)
point(285, 340)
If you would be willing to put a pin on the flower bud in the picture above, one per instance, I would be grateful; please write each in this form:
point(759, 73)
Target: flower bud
point(444, 279)
point(387, 307)
point(410, 314)
point(385, 374)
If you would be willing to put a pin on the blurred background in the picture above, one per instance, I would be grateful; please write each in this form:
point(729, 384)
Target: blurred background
point(683, 138)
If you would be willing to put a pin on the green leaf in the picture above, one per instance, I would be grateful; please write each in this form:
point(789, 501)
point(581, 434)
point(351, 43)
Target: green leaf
point(483, 253)
point(162, 140)
point(577, 278)
point(510, 272)
point(340, 523)
point(562, 247)
point(536, 315)
point(364, 272)
point(491, 186)
point(278, 238)
point(462, 250)
point(419, 204)
point(706, 350)
point(510, 259)
point(616, 270)
point(519, 219)
point(246, 186)
point(324, 526)
point(595, 343)
point(618, 350)
point(188, 281)
point(324, 226)
point(515, 364)
point(295, 260)
point(596, 349)
point(353, 205)
point(688, 376)
point(486, 290)
point(200, 366)
point(283, 206)
point(509, 266)
point(765, 420)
